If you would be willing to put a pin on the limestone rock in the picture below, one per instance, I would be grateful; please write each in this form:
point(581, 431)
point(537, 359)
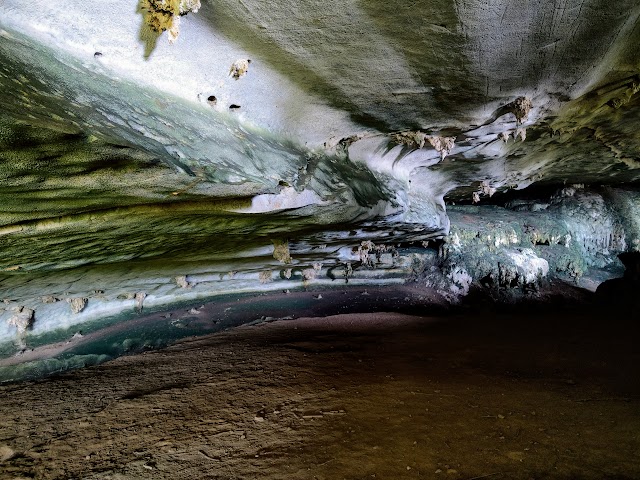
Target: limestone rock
point(77, 304)
point(114, 177)
point(265, 276)
point(521, 107)
point(182, 282)
point(239, 68)
point(139, 298)
point(281, 251)
point(443, 145)
point(22, 319)
point(164, 15)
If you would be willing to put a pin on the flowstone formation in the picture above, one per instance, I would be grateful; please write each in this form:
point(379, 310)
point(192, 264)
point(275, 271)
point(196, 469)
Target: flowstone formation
point(515, 250)
point(459, 146)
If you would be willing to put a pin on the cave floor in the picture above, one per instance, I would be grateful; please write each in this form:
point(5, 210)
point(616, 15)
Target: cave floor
point(382, 395)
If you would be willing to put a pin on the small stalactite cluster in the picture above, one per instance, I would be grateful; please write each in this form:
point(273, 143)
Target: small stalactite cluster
point(281, 251)
point(417, 139)
point(520, 107)
point(164, 15)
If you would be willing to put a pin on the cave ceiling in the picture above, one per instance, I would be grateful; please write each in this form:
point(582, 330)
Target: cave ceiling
point(326, 124)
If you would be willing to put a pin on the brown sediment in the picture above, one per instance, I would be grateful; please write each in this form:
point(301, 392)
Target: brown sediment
point(345, 396)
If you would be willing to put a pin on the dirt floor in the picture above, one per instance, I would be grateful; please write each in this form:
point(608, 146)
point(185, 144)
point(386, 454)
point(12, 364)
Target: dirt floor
point(375, 395)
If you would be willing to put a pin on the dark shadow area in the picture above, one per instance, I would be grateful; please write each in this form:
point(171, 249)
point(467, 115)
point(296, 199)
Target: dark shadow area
point(622, 294)
point(142, 393)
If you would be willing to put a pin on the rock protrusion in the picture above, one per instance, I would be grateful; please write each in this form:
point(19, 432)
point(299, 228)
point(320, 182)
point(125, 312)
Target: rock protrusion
point(77, 304)
point(309, 274)
point(265, 276)
point(281, 251)
point(417, 139)
point(22, 319)
point(443, 145)
point(239, 68)
point(139, 298)
point(520, 107)
point(182, 282)
point(164, 15)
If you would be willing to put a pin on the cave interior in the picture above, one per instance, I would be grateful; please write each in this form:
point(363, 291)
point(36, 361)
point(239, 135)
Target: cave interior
point(300, 239)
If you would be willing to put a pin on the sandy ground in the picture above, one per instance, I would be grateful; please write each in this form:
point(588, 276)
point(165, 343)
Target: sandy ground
point(355, 396)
